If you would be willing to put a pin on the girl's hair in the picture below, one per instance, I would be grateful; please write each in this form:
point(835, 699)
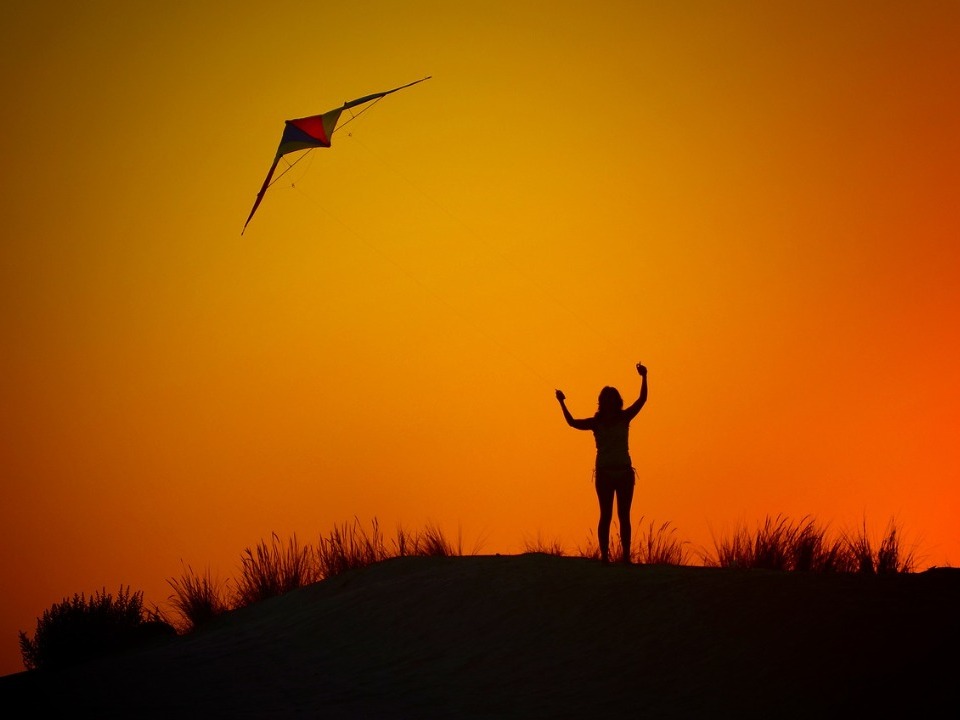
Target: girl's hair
point(609, 402)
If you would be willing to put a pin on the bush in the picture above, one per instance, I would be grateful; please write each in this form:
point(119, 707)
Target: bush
point(80, 629)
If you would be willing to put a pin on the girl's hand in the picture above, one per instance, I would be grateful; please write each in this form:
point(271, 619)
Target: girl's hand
point(560, 396)
point(642, 370)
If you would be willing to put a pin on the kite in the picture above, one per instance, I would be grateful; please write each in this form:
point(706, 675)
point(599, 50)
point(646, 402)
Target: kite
point(313, 132)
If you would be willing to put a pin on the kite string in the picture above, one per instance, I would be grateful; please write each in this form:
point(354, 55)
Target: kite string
point(355, 116)
point(437, 297)
point(550, 292)
point(546, 291)
point(290, 166)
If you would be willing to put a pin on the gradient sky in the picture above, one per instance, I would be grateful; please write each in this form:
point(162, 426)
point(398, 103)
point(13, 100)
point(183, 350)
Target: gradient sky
point(758, 200)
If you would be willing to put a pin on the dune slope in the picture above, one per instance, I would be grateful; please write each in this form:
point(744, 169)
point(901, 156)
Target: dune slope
point(536, 636)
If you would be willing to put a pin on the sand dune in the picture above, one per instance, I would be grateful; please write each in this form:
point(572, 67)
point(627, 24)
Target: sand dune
point(536, 636)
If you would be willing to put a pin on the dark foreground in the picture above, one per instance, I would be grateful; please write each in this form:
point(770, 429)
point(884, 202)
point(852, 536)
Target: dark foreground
point(535, 636)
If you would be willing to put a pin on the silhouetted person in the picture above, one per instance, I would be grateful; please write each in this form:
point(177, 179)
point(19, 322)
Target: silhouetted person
point(614, 473)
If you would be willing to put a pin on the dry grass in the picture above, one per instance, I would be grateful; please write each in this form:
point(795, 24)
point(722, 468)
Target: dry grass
point(813, 551)
point(660, 545)
point(271, 570)
point(651, 545)
point(349, 547)
point(197, 598)
point(777, 543)
point(274, 568)
point(879, 558)
point(539, 544)
point(780, 544)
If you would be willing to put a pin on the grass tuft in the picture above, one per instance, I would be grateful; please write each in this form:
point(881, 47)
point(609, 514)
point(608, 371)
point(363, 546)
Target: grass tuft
point(433, 543)
point(883, 558)
point(541, 545)
point(349, 547)
point(271, 570)
point(197, 599)
point(659, 546)
point(779, 544)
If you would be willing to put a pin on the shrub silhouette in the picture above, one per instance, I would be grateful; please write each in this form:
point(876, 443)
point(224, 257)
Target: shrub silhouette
point(80, 629)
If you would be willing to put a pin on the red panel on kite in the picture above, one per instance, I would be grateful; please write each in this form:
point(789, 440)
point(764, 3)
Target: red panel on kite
point(312, 132)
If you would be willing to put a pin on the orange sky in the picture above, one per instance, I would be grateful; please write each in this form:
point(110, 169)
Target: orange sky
point(757, 200)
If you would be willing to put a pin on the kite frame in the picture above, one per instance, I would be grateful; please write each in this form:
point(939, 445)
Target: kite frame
point(376, 97)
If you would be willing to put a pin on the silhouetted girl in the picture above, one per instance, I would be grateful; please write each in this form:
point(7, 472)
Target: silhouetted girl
point(614, 473)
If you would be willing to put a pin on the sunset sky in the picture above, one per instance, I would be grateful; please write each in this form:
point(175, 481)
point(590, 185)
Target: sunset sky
point(758, 200)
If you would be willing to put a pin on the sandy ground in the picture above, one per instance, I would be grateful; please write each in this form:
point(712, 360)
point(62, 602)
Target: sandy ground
point(536, 636)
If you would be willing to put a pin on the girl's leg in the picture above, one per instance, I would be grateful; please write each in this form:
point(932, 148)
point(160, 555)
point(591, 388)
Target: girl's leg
point(605, 491)
point(624, 500)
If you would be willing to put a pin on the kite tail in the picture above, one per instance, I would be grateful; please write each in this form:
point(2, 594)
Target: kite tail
point(263, 189)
